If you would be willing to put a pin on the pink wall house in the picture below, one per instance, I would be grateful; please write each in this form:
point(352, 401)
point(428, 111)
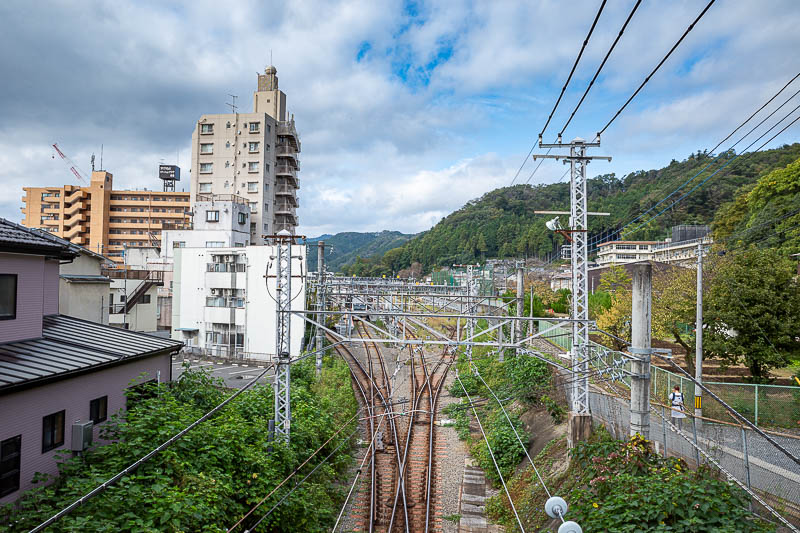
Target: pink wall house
point(54, 369)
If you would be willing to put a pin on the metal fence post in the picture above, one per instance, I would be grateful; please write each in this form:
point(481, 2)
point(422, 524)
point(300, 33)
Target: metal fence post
point(696, 444)
point(746, 464)
point(664, 428)
point(756, 406)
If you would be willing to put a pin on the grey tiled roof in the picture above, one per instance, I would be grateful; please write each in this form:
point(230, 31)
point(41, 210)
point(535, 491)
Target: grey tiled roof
point(14, 237)
point(70, 345)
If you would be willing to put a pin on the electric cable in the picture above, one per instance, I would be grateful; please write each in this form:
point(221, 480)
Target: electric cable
point(596, 74)
point(537, 166)
point(647, 79)
point(295, 471)
point(491, 453)
point(524, 448)
point(166, 444)
point(745, 152)
point(574, 66)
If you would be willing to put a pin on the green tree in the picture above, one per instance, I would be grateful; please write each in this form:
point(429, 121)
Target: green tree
point(752, 312)
point(613, 279)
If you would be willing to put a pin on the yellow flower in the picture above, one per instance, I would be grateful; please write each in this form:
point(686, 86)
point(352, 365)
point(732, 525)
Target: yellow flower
point(595, 505)
point(255, 475)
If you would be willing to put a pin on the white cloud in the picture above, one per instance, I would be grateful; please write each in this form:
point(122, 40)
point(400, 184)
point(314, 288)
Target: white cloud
point(440, 108)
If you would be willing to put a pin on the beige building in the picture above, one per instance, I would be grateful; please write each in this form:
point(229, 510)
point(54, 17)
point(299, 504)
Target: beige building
point(252, 155)
point(101, 219)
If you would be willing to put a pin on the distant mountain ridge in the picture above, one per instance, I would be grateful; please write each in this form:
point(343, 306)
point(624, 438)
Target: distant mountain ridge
point(345, 247)
point(502, 222)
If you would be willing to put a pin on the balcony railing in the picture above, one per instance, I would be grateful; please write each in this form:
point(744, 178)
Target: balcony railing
point(285, 150)
point(235, 198)
point(221, 301)
point(226, 267)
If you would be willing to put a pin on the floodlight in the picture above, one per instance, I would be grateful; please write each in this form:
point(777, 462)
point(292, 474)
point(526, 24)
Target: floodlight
point(553, 225)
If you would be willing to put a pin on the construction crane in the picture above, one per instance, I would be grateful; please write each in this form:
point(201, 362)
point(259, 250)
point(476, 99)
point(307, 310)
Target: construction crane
point(81, 175)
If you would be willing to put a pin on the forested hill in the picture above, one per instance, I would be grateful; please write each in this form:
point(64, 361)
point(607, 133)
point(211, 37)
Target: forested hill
point(346, 246)
point(501, 223)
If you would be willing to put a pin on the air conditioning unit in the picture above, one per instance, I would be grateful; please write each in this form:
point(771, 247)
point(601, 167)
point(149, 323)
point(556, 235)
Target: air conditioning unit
point(81, 435)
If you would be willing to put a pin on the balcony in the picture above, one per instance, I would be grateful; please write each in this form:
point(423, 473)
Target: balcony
point(74, 208)
point(284, 208)
point(235, 198)
point(286, 129)
point(285, 170)
point(74, 196)
point(74, 231)
point(286, 150)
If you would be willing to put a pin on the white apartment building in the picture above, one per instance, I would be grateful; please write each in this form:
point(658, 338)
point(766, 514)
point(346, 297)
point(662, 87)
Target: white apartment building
point(251, 155)
point(224, 305)
point(620, 252)
point(218, 221)
point(683, 253)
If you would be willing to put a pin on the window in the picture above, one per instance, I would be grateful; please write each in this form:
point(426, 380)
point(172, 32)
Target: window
point(212, 216)
point(269, 128)
point(266, 227)
point(178, 244)
point(266, 167)
point(253, 206)
point(643, 247)
point(10, 454)
point(254, 127)
point(214, 244)
point(206, 168)
point(252, 227)
point(8, 296)
point(253, 147)
point(206, 129)
point(242, 218)
point(228, 124)
point(252, 186)
point(228, 144)
point(227, 164)
point(266, 207)
point(144, 299)
point(98, 409)
point(52, 431)
point(207, 148)
point(266, 148)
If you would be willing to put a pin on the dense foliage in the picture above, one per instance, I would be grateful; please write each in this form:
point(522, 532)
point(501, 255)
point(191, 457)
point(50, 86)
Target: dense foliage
point(752, 311)
point(501, 223)
point(613, 485)
point(521, 382)
point(766, 213)
point(347, 246)
point(626, 486)
point(216, 473)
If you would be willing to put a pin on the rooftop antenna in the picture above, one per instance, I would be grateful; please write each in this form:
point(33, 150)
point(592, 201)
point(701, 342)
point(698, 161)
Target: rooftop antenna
point(233, 105)
point(101, 158)
point(92, 162)
point(270, 57)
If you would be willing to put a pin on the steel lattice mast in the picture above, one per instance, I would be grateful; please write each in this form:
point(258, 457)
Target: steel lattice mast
point(283, 290)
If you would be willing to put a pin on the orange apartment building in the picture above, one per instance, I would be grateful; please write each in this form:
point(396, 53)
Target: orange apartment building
point(102, 219)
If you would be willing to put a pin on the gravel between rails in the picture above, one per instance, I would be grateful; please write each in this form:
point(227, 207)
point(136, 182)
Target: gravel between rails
point(450, 463)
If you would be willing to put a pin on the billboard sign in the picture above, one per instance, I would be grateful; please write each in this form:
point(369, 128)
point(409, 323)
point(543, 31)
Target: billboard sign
point(169, 172)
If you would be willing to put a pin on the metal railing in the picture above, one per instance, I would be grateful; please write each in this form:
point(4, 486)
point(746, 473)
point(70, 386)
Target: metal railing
point(226, 267)
point(235, 198)
point(221, 301)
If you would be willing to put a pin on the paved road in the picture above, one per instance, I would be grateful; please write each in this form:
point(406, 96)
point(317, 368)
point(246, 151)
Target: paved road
point(234, 375)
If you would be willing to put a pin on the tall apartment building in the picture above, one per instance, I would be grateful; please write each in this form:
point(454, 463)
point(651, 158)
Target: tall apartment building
point(101, 219)
point(252, 155)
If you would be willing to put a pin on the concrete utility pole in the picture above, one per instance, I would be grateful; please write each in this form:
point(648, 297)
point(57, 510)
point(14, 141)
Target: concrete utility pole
point(320, 301)
point(640, 348)
point(520, 302)
point(698, 343)
point(283, 290)
point(580, 420)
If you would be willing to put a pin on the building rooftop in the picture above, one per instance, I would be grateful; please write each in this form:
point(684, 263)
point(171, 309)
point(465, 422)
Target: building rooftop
point(19, 239)
point(71, 346)
point(627, 242)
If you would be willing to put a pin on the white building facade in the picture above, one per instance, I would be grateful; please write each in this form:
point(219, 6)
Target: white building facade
point(251, 155)
point(224, 305)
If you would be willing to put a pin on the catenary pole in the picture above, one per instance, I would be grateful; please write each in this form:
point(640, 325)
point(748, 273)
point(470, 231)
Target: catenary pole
point(640, 348)
point(698, 343)
point(320, 300)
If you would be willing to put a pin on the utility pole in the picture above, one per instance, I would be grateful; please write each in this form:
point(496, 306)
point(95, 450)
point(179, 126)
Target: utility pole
point(283, 290)
point(320, 301)
point(520, 302)
point(698, 361)
point(640, 349)
point(580, 420)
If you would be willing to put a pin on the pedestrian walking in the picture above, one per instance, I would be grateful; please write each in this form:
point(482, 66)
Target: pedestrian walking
point(678, 408)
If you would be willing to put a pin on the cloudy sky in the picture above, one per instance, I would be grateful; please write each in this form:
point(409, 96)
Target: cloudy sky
point(406, 110)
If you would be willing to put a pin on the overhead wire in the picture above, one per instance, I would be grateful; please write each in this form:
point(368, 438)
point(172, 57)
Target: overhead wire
point(491, 454)
point(602, 64)
point(660, 63)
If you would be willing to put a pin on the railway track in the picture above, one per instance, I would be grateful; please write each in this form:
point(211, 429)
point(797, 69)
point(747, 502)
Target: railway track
point(402, 467)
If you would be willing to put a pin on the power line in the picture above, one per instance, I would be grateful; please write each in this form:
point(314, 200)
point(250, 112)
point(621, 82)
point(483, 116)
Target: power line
point(574, 66)
point(647, 79)
point(726, 164)
point(97, 490)
point(523, 164)
point(596, 74)
point(295, 471)
point(491, 453)
point(537, 166)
